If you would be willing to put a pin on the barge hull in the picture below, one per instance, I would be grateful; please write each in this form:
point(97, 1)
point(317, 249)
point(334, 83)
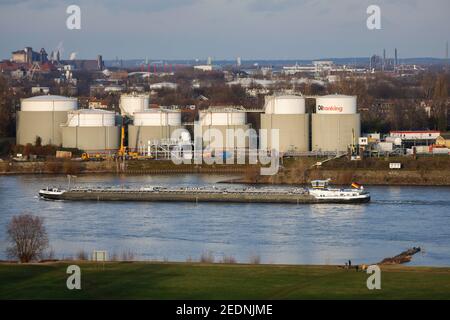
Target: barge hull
point(199, 197)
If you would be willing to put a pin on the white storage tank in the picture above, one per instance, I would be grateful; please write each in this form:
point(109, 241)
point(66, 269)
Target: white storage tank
point(132, 103)
point(286, 114)
point(91, 130)
point(288, 104)
point(49, 103)
point(222, 119)
point(157, 117)
point(336, 124)
point(336, 104)
point(42, 116)
point(152, 125)
point(225, 117)
point(91, 118)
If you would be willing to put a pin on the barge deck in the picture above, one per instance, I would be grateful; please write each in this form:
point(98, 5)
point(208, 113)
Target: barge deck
point(246, 195)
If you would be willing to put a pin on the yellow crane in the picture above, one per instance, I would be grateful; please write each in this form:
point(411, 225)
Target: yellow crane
point(122, 152)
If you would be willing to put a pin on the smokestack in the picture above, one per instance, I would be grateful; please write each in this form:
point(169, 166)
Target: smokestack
point(100, 63)
point(396, 59)
point(384, 59)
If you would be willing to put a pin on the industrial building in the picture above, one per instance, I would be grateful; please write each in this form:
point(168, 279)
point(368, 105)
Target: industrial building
point(27, 55)
point(42, 116)
point(91, 130)
point(152, 126)
point(287, 115)
point(221, 119)
point(336, 124)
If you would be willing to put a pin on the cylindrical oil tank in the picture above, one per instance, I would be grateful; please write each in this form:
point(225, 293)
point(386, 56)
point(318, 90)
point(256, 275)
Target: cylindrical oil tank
point(132, 103)
point(336, 104)
point(42, 116)
point(288, 104)
point(336, 124)
point(91, 130)
point(285, 115)
point(157, 117)
point(231, 117)
point(151, 126)
point(217, 120)
point(90, 118)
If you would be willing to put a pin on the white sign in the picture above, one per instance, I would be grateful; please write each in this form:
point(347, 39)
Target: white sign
point(395, 165)
point(101, 256)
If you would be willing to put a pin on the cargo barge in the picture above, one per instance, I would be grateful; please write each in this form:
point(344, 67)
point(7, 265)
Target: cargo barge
point(319, 193)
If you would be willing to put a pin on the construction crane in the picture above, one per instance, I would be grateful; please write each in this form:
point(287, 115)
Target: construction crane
point(122, 152)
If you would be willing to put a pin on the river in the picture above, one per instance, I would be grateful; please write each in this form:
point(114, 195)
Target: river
point(396, 219)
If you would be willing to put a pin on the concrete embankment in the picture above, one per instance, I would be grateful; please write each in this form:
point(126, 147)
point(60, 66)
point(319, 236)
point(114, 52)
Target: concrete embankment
point(113, 167)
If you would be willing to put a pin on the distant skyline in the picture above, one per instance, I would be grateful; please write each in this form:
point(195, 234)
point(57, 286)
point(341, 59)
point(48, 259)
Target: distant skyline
point(226, 29)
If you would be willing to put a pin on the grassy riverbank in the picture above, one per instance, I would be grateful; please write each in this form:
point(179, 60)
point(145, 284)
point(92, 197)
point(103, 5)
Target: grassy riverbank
point(141, 280)
point(425, 170)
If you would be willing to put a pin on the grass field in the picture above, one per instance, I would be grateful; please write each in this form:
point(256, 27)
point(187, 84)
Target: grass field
point(140, 280)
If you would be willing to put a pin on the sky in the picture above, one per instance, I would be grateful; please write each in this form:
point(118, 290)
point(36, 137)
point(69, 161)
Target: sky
point(226, 29)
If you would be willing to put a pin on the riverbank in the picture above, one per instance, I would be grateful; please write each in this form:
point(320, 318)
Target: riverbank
point(112, 167)
point(145, 280)
point(420, 171)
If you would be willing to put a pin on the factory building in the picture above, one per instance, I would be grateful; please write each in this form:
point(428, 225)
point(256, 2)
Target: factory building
point(91, 130)
point(287, 115)
point(131, 103)
point(42, 116)
point(336, 123)
point(152, 126)
point(221, 119)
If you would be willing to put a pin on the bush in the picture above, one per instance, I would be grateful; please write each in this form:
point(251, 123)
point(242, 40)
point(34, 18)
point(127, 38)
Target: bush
point(255, 259)
point(28, 237)
point(82, 255)
point(228, 260)
point(207, 257)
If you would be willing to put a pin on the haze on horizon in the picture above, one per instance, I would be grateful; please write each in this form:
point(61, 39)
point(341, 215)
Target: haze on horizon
point(225, 29)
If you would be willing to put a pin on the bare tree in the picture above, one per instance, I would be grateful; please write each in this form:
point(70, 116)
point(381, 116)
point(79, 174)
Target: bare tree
point(28, 237)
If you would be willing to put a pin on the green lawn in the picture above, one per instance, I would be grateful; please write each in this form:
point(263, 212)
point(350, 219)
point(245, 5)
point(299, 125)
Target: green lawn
point(140, 280)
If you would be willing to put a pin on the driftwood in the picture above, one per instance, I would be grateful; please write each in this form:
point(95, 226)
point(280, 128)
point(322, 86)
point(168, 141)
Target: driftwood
point(403, 257)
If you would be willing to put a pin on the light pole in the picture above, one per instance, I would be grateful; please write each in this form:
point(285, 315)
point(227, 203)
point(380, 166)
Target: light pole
point(69, 178)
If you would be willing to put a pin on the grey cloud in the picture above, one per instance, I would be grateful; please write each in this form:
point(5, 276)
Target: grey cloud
point(274, 5)
point(122, 5)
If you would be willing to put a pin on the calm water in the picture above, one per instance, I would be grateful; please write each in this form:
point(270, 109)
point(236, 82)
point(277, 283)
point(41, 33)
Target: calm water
point(396, 219)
